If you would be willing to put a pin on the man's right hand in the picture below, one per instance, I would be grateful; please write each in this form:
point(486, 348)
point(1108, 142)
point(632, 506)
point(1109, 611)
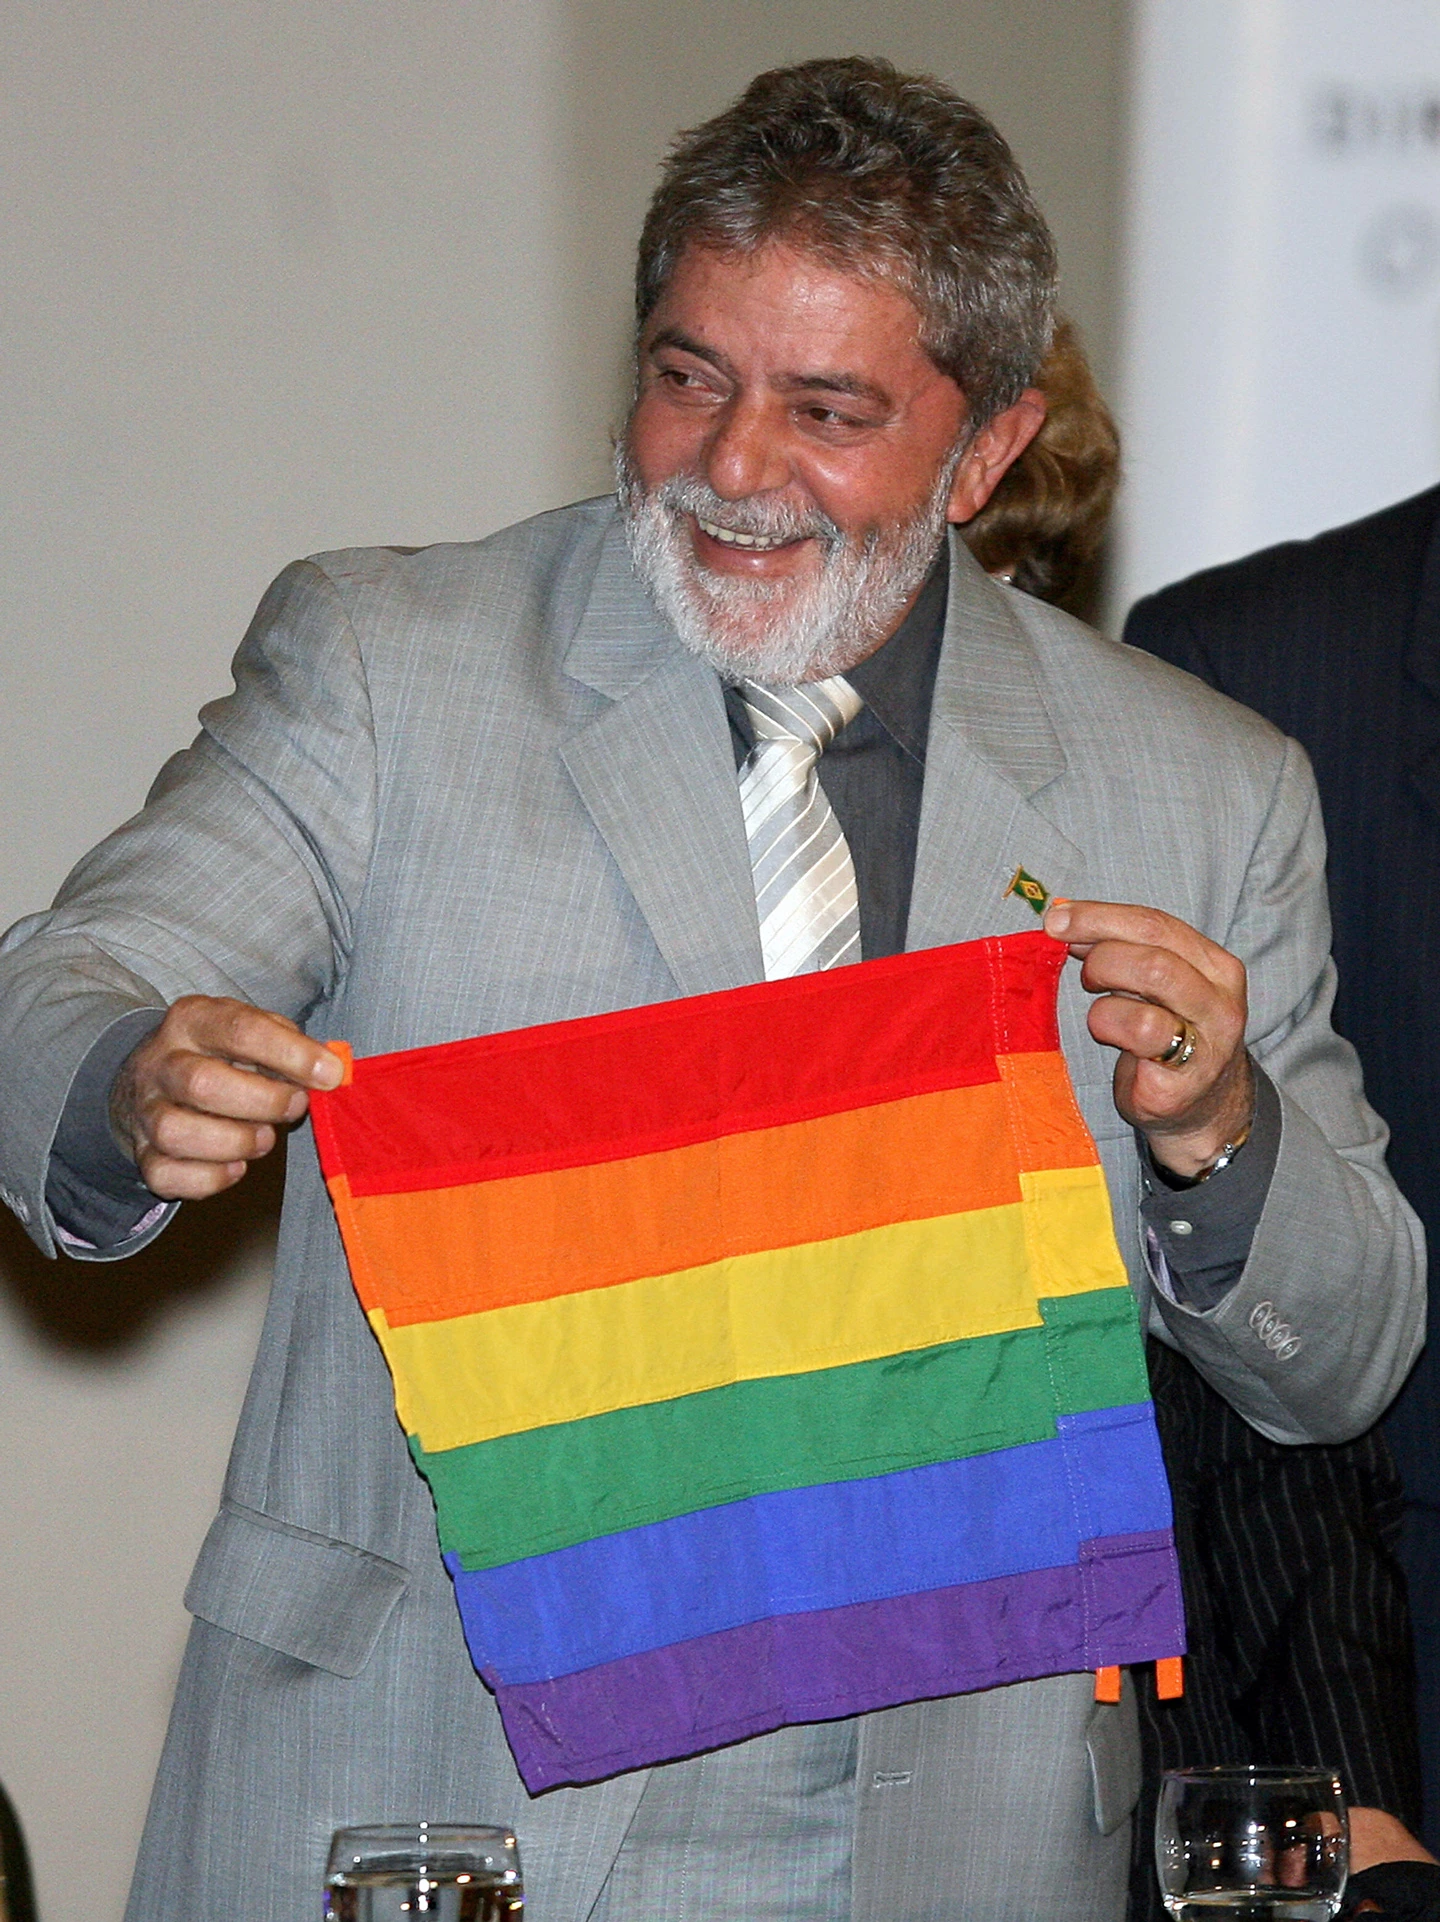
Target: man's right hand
point(207, 1093)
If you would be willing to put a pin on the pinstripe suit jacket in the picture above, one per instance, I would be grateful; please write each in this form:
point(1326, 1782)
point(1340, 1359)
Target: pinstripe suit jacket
point(483, 786)
point(1337, 640)
point(1295, 1612)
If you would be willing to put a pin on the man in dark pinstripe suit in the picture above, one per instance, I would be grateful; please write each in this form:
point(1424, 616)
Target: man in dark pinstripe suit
point(1337, 640)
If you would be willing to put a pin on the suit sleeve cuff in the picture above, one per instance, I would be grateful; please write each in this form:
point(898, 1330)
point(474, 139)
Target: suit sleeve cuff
point(1197, 1240)
point(92, 1189)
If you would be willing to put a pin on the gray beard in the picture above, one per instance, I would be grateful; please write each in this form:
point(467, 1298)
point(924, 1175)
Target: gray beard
point(782, 633)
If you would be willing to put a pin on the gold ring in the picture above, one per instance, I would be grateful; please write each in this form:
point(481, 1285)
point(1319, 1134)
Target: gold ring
point(1182, 1048)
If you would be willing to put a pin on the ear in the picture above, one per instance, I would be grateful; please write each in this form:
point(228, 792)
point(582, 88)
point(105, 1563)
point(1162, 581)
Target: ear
point(999, 442)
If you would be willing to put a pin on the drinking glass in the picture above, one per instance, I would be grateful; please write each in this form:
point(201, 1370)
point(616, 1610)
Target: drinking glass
point(1251, 1844)
point(406, 1869)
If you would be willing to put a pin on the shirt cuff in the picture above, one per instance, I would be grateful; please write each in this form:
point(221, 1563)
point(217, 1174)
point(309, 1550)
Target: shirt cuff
point(1197, 1240)
point(92, 1188)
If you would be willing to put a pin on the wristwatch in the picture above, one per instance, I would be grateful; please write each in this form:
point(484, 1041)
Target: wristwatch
point(1226, 1155)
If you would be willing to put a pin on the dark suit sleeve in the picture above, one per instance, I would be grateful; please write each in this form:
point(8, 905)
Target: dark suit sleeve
point(1160, 628)
point(1297, 1616)
point(1198, 1238)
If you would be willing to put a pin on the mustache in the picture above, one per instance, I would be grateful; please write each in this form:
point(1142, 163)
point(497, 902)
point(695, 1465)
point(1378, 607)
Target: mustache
point(770, 519)
point(783, 632)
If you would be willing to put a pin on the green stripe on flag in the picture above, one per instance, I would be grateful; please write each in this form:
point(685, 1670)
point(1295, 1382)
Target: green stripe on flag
point(549, 1488)
point(1097, 1351)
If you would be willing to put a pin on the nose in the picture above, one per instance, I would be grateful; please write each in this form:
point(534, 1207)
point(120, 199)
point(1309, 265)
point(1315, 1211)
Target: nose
point(746, 453)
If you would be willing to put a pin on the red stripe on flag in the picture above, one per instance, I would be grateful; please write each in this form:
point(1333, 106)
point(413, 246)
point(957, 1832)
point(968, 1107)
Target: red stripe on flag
point(652, 1078)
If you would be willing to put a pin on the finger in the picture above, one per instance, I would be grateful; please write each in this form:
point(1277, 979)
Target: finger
point(237, 1032)
point(1210, 1095)
point(188, 1180)
point(182, 1134)
point(1148, 1032)
point(1081, 924)
point(1150, 1092)
point(1162, 978)
point(208, 1085)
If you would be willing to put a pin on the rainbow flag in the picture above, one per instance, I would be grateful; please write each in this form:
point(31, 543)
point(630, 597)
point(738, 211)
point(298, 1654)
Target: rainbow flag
point(769, 1354)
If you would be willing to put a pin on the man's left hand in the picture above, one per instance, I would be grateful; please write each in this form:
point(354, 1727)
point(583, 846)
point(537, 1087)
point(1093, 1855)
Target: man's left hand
point(1164, 989)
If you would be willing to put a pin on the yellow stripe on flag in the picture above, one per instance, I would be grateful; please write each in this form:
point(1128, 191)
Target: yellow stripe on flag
point(1071, 1231)
point(822, 1305)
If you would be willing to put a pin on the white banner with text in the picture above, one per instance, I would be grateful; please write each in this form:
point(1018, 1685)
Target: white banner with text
point(1281, 368)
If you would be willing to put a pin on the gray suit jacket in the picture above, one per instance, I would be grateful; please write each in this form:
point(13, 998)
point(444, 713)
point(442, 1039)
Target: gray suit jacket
point(482, 786)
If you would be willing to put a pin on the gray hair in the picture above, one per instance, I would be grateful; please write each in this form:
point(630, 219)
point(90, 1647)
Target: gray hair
point(888, 175)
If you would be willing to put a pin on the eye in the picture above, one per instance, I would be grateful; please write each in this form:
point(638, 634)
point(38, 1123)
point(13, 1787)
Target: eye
point(831, 420)
point(700, 385)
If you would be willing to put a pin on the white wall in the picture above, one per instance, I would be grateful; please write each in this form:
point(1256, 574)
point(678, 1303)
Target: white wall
point(282, 275)
point(1282, 321)
point(276, 279)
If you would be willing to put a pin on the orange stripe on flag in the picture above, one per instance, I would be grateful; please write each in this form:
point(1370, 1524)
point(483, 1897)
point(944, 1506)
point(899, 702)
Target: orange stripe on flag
point(1044, 1118)
point(491, 1244)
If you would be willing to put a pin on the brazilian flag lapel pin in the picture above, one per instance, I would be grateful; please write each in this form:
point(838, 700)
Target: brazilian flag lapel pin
point(1029, 889)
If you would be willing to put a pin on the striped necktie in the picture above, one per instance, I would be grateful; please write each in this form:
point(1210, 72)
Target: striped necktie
point(804, 877)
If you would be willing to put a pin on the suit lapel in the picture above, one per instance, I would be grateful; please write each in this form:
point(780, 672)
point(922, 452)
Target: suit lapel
point(656, 771)
point(992, 752)
point(1422, 664)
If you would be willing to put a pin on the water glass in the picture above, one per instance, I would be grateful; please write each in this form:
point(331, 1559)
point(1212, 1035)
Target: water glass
point(1249, 1844)
point(394, 1872)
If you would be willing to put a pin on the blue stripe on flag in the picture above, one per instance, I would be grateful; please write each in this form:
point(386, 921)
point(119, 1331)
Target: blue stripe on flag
point(821, 1547)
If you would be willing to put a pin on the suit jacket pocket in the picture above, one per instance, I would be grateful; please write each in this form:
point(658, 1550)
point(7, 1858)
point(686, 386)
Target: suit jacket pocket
point(322, 1601)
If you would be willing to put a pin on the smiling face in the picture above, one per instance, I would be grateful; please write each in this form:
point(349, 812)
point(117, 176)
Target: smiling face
point(791, 460)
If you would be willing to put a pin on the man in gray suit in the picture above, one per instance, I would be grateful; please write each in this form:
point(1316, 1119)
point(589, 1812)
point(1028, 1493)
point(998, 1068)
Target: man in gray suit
point(483, 786)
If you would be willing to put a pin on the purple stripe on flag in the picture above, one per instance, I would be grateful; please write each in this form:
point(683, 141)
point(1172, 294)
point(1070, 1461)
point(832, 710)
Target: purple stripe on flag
point(1120, 1604)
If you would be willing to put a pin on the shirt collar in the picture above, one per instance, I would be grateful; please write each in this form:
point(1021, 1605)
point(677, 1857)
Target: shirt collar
point(897, 681)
